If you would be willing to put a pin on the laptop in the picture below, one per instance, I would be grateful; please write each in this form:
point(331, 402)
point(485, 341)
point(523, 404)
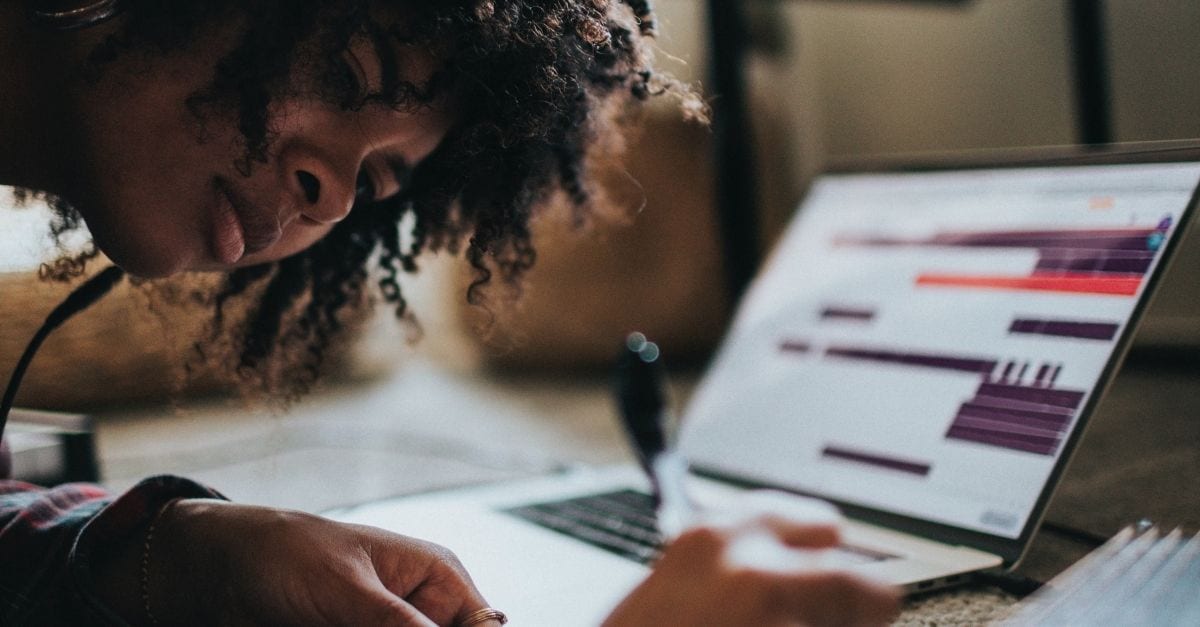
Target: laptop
point(923, 349)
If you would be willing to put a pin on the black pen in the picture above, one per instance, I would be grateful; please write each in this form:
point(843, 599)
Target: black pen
point(644, 414)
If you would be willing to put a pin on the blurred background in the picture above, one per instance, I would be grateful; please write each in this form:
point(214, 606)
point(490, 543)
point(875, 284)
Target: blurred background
point(824, 82)
point(832, 82)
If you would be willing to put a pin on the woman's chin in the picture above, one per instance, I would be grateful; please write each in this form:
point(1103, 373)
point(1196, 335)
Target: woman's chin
point(157, 260)
point(142, 253)
point(145, 264)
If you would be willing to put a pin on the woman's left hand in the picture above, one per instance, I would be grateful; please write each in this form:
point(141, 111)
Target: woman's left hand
point(756, 564)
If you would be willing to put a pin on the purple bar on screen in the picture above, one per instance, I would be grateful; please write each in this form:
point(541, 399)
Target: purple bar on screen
point(1059, 398)
point(1041, 373)
point(1054, 375)
point(1116, 239)
point(969, 418)
point(1065, 328)
point(984, 400)
point(945, 362)
point(993, 439)
point(1095, 241)
point(1080, 253)
point(1024, 417)
point(1039, 440)
point(848, 313)
point(985, 424)
point(795, 346)
point(1094, 264)
point(873, 459)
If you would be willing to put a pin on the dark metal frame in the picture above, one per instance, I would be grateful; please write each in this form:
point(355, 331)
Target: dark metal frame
point(1093, 93)
point(734, 168)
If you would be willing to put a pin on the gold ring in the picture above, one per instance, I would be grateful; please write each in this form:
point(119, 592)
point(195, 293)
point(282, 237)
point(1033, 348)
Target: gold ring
point(485, 614)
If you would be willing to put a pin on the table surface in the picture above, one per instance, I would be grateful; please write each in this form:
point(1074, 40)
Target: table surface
point(427, 425)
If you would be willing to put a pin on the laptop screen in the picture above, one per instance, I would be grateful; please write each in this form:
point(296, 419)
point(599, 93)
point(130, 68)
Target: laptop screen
point(925, 343)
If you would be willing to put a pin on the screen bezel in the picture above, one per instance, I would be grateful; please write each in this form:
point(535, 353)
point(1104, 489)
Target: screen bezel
point(1011, 550)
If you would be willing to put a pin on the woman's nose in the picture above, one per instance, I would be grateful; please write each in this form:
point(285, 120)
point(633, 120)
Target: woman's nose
point(322, 192)
point(324, 198)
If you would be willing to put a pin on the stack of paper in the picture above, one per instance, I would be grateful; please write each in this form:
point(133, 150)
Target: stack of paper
point(1140, 577)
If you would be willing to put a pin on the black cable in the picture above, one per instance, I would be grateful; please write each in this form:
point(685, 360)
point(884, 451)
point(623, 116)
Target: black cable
point(77, 301)
point(1073, 533)
point(1019, 586)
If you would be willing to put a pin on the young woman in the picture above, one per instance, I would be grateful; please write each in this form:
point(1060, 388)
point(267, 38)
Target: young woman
point(283, 142)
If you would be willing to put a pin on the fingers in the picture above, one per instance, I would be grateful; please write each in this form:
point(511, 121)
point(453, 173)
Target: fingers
point(747, 576)
point(805, 589)
point(801, 536)
point(795, 520)
point(836, 598)
point(765, 542)
point(376, 605)
point(429, 577)
point(764, 560)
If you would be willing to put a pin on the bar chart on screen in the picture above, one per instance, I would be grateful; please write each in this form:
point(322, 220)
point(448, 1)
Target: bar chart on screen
point(935, 340)
point(1088, 261)
point(1017, 404)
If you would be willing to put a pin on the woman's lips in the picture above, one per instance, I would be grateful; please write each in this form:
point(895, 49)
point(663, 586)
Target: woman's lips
point(240, 229)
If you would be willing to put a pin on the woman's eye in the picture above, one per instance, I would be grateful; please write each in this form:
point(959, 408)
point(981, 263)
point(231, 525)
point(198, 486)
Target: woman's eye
point(364, 188)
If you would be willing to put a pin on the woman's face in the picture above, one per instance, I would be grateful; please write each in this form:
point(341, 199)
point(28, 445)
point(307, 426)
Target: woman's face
point(160, 188)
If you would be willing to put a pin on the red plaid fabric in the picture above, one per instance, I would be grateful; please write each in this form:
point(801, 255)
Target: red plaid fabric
point(48, 537)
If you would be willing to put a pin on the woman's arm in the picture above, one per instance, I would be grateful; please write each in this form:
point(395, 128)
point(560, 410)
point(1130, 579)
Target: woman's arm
point(51, 537)
point(73, 556)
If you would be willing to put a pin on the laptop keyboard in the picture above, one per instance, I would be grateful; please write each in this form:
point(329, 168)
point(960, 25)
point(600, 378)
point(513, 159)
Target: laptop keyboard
point(620, 522)
point(623, 523)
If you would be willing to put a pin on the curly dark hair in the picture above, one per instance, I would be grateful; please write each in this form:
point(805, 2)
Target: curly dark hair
point(535, 83)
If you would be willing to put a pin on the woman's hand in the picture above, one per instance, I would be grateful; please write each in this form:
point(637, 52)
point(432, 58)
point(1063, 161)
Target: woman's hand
point(757, 569)
point(213, 562)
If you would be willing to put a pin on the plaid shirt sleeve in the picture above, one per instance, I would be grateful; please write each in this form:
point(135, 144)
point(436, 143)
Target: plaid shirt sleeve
point(48, 538)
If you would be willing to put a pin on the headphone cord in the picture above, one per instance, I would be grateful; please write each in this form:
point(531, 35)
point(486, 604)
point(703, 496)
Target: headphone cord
point(77, 301)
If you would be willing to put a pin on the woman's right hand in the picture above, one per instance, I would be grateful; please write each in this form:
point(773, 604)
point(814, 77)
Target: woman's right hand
point(218, 563)
point(754, 570)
